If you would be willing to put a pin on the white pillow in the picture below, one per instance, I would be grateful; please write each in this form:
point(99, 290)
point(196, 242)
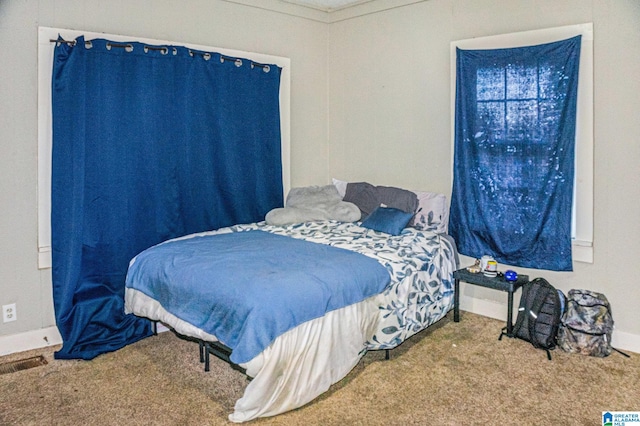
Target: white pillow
point(433, 212)
point(341, 186)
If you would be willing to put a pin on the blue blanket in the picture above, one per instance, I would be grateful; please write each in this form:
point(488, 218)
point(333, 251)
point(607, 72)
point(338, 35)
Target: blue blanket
point(247, 288)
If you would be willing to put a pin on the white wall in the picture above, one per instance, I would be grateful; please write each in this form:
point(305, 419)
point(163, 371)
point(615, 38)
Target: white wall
point(389, 105)
point(206, 22)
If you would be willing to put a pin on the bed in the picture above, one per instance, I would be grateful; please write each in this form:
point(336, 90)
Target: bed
point(403, 283)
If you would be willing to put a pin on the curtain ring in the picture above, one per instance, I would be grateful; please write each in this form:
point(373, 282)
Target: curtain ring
point(265, 68)
point(163, 50)
point(238, 62)
point(127, 47)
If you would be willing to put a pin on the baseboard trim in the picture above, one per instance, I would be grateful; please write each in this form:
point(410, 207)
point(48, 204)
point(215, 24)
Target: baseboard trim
point(50, 336)
point(35, 339)
point(625, 341)
point(492, 309)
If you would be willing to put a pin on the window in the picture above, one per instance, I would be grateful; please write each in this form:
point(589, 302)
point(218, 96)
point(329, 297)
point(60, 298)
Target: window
point(512, 97)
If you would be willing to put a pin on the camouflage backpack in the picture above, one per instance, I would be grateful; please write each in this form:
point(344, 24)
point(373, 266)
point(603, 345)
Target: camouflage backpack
point(587, 324)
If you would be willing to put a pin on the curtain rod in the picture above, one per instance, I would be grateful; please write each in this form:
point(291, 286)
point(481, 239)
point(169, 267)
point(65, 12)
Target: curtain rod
point(129, 47)
point(69, 42)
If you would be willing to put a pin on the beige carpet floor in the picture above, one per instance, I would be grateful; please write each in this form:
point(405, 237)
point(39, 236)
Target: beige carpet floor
point(451, 374)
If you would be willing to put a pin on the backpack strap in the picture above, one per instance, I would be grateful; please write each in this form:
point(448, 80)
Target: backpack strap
point(620, 352)
point(522, 312)
point(541, 294)
point(536, 304)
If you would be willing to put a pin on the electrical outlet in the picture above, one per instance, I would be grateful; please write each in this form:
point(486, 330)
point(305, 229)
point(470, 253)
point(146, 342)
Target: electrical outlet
point(9, 313)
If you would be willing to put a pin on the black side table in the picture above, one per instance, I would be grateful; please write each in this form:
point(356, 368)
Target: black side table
point(496, 283)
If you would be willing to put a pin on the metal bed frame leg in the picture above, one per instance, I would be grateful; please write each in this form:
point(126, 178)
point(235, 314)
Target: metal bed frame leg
point(219, 350)
point(206, 356)
point(203, 349)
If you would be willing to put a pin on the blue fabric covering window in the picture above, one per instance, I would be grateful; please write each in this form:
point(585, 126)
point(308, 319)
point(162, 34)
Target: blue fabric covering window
point(148, 144)
point(515, 127)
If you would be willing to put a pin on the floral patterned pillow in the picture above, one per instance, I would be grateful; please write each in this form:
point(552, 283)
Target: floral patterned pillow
point(433, 212)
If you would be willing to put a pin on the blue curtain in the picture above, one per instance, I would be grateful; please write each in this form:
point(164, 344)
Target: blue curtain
point(514, 154)
point(149, 143)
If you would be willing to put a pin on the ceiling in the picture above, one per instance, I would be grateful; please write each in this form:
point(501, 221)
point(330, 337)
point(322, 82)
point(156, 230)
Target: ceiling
point(327, 5)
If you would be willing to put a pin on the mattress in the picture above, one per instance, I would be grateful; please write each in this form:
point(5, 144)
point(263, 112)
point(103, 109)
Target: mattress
point(297, 366)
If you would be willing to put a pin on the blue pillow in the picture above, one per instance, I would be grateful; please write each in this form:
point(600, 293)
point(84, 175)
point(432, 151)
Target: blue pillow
point(387, 219)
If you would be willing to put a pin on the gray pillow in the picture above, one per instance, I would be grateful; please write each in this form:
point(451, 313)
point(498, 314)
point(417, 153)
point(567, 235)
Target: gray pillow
point(364, 195)
point(313, 203)
point(368, 197)
point(397, 198)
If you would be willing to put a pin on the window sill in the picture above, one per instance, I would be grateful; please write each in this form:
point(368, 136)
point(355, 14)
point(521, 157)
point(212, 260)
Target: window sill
point(44, 257)
point(582, 251)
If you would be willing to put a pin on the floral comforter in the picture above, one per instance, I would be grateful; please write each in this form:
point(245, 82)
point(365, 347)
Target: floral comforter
point(420, 263)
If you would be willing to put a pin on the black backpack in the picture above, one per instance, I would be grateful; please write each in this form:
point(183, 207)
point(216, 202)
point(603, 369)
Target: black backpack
point(539, 314)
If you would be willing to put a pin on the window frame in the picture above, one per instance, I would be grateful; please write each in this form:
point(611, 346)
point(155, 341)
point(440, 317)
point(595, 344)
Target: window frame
point(582, 215)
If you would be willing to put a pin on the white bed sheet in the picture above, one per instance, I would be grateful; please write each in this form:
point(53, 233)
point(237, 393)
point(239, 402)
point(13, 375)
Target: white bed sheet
point(298, 366)
point(305, 361)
